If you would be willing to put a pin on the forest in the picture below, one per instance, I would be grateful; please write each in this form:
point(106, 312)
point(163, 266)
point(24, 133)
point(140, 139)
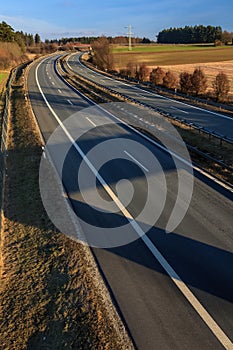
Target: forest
point(190, 35)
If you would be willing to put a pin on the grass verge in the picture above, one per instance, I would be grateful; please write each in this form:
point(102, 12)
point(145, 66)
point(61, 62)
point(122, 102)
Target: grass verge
point(48, 298)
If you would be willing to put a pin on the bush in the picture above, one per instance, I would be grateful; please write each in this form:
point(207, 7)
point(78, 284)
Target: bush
point(157, 75)
point(170, 80)
point(221, 86)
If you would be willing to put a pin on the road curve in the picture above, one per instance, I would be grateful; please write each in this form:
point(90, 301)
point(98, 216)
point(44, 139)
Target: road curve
point(200, 251)
point(214, 122)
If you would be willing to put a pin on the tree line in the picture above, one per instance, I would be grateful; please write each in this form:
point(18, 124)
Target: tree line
point(15, 45)
point(194, 84)
point(120, 40)
point(190, 35)
point(24, 40)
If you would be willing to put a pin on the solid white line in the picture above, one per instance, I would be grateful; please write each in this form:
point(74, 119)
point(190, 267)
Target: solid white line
point(91, 121)
point(70, 102)
point(213, 178)
point(180, 110)
point(206, 317)
point(148, 138)
point(154, 94)
point(136, 161)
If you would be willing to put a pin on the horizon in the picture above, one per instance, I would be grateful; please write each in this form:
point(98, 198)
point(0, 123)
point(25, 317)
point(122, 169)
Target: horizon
point(74, 19)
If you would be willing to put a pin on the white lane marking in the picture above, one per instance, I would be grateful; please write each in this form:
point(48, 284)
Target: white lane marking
point(180, 110)
point(136, 161)
point(70, 102)
point(90, 121)
point(59, 91)
point(211, 177)
point(206, 317)
point(148, 138)
point(50, 78)
point(154, 94)
point(53, 83)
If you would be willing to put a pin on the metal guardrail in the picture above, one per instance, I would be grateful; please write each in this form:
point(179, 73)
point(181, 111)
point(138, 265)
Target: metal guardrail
point(148, 123)
point(210, 133)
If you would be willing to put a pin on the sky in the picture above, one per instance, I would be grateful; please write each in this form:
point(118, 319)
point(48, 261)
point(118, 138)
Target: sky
point(66, 18)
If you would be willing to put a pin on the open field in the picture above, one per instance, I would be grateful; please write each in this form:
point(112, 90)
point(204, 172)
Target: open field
point(180, 58)
point(210, 69)
point(166, 48)
point(161, 55)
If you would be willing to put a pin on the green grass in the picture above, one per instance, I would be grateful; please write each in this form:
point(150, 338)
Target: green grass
point(3, 78)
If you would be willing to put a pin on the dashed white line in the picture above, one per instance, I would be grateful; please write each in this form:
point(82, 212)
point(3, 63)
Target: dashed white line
point(180, 110)
point(70, 102)
point(154, 94)
point(90, 121)
point(59, 91)
point(136, 161)
point(203, 313)
point(53, 83)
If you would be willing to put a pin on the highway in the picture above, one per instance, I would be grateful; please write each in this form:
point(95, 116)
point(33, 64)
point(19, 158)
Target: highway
point(214, 122)
point(183, 298)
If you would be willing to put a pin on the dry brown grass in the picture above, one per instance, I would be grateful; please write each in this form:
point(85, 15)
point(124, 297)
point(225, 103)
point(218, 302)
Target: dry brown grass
point(211, 69)
point(48, 298)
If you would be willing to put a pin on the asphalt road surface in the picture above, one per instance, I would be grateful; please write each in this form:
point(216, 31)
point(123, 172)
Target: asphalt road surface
point(212, 121)
point(173, 290)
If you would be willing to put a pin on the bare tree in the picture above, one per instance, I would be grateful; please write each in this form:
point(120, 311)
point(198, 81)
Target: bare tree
point(131, 69)
point(199, 81)
point(170, 80)
point(186, 85)
point(227, 37)
point(157, 75)
point(143, 72)
point(103, 57)
point(123, 72)
point(221, 86)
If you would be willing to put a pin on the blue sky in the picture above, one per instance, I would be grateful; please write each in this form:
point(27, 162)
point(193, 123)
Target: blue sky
point(57, 18)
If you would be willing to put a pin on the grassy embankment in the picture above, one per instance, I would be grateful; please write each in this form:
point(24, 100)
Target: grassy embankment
point(48, 298)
